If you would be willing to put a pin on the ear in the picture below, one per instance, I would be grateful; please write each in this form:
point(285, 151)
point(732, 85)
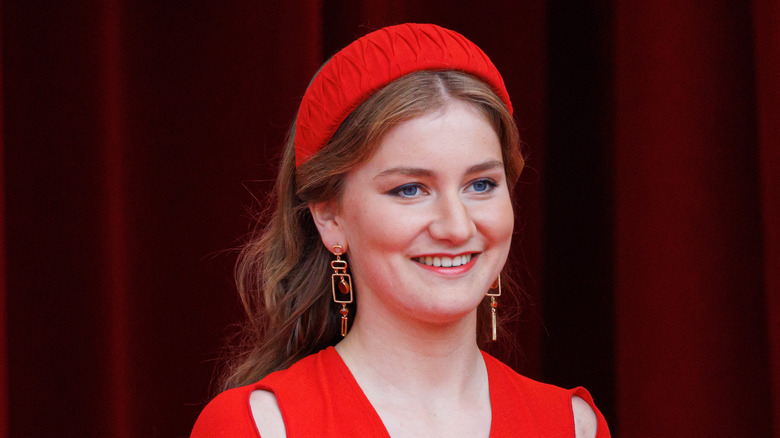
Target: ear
point(329, 224)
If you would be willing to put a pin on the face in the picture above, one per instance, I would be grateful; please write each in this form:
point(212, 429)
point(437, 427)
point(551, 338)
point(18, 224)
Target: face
point(427, 221)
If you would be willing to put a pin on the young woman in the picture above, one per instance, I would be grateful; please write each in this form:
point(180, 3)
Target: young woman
point(383, 257)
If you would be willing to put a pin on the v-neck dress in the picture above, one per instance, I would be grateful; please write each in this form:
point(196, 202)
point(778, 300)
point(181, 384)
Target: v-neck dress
point(319, 397)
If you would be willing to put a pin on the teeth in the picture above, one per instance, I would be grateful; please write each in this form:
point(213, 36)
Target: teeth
point(444, 261)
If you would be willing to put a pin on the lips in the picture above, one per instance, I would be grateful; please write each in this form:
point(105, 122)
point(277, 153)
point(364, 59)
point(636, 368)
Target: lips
point(444, 261)
point(447, 265)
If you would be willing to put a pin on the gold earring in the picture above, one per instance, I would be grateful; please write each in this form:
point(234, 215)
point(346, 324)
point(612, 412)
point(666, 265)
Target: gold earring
point(344, 282)
point(493, 294)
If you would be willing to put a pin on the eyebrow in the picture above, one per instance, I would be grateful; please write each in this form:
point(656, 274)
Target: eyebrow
point(407, 171)
point(487, 165)
point(421, 172)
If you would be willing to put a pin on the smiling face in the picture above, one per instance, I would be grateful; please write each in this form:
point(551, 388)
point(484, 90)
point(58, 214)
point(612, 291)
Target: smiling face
point(427, 221)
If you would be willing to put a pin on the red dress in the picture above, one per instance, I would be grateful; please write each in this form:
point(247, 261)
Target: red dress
point(318, 396)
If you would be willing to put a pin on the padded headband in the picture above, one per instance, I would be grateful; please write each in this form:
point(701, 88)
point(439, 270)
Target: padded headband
point(362, 68)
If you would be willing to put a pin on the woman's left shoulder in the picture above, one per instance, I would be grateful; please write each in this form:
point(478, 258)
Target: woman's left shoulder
point(585, 421)
point(548, 404)
point(588, 420)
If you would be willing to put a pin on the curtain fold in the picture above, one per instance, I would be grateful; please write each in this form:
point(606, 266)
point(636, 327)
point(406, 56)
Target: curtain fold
point(3, 289)
point(115, 276)
point(136, 135)
point(766, 35)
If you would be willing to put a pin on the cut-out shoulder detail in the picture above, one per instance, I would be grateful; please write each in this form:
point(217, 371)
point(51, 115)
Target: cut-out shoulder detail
point(266, 413)
point(585, 422)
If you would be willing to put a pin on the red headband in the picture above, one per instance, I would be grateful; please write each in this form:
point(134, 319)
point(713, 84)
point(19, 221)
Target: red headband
point(375, 60)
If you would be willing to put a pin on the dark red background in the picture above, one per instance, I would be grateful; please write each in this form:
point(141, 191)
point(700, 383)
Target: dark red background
point(648, 237)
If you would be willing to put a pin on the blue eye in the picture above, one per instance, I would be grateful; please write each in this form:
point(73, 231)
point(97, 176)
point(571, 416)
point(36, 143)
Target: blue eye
point(483, 185)
point(407, 190)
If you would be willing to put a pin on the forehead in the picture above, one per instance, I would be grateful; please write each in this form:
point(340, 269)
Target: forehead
point(456, 133)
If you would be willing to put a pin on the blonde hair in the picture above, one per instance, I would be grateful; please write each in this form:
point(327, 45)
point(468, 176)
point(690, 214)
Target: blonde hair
point(282, 272)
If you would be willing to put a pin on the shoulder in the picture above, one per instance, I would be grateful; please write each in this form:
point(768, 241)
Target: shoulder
point(505, 379)
point(266, 414)
point(588, 420)
point(227, 415)
point(585, 422)
point(256, 409)
point(548, 406)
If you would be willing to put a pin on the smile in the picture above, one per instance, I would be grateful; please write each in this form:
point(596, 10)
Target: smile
point(444, 261)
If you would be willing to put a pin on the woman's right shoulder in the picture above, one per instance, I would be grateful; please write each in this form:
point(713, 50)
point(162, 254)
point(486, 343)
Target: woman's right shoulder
point(266, 414)
point(228, 415)
point(239, 411)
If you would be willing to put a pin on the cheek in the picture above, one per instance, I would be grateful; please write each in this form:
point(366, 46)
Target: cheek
point(507, 221)
point(377, 227)
point(375, 239)
point(497, 222)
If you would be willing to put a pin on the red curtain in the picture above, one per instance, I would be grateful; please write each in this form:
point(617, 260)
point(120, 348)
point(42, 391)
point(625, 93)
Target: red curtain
point(696, 291)
point(134, 132)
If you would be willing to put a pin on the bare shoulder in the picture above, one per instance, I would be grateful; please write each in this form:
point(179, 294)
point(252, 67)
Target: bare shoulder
point(585, 422)
point(266, 413)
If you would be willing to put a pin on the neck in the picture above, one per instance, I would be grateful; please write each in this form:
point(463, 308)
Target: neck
point(414, 357)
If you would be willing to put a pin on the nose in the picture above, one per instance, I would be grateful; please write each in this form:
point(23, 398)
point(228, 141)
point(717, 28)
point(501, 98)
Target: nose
point(453, 222)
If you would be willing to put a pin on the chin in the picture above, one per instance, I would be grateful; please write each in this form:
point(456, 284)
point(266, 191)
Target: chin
point(438, 314)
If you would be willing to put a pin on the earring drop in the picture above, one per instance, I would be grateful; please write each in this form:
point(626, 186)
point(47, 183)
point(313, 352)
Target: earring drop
point(343, 282)
point(493, 293)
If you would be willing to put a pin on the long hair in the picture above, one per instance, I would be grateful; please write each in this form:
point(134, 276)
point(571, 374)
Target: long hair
point(282, 273)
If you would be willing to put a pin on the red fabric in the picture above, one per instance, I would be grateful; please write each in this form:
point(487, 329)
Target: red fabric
point(375, 60)
point(319, 396)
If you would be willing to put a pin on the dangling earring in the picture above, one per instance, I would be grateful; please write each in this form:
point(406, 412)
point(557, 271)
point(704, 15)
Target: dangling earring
point(493, 293)
point(344, 282)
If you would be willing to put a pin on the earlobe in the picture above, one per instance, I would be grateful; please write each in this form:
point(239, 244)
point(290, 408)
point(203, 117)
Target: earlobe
point(326, 218)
